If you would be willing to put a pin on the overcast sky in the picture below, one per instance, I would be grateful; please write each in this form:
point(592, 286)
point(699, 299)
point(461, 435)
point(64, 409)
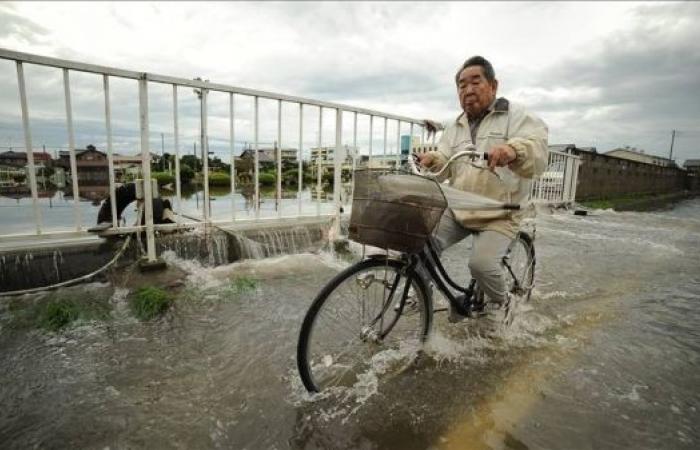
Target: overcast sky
point(600, 74)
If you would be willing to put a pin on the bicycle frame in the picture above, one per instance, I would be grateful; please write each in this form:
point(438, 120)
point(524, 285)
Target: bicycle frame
point(429, 259)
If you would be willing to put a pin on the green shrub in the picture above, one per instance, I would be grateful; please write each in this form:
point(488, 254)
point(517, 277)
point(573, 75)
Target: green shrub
point(243, 284)
point(266, 179)
point(290, 177)
point(163, 178)
point(58, 314)
point(149, 302)
point(186, 173)
point(219, 179)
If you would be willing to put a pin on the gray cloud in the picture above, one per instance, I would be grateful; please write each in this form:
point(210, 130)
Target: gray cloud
point(23, 28)
point(632, 87)
point(644, 82)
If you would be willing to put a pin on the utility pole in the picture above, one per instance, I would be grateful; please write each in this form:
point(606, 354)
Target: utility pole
point(194, 153)
point(673, 137)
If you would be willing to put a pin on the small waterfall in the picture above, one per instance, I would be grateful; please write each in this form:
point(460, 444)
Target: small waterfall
point(265, 243)
point(57, 261)
point(210, 248)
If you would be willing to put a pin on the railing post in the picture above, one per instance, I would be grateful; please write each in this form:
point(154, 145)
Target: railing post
point(371, 138)
point(398, 144)
point(355, 154)
point(337, 160)
point(319, 165)
point(28, 146)
point(279, 158)
point(146, 167)
point(385, 140)
point(204, 142)
point(176, 132)
point(233, 155)
point(566, 178)
point(300, 163)
point(71, 149)
point(256, 158)
point(110, 150)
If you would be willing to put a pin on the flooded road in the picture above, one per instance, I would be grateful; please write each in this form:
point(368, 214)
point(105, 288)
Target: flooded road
point(607, 356)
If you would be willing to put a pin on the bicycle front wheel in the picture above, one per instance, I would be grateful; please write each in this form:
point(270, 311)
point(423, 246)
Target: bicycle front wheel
point(368, 309)
point(519, 263)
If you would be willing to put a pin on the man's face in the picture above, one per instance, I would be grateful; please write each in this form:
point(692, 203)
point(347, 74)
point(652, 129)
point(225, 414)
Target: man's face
point(475, 92)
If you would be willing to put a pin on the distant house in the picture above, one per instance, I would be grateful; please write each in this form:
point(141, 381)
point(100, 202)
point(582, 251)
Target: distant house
point(692, 166)
point(269, 154)
point(266, 156)
point(19, 159)
point(91, 163)
point(634, 154)
point(9, 174)
point(571, 148)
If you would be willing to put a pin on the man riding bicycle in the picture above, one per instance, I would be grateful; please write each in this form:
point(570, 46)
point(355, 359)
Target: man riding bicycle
point(516, 143)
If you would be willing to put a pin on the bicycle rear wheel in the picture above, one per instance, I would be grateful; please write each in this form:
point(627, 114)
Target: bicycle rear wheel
point(368, 309)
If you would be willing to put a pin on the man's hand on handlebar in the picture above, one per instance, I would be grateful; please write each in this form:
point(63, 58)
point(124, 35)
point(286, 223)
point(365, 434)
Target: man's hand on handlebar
point(425, 159)
point(501, 155)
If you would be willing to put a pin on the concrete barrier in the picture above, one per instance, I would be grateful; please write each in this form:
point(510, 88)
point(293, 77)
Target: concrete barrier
point(40, 265)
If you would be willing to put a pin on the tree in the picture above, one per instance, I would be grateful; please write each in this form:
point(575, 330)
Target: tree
point(186, 173)
point(192, 161)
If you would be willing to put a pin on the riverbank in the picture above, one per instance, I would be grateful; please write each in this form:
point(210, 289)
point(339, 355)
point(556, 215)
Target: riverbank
point(639, 202)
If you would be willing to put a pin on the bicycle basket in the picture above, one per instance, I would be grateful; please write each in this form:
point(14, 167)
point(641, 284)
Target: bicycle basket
point(394, 210)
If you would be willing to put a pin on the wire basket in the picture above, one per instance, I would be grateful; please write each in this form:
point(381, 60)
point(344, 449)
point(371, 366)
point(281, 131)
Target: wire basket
point(394, 210)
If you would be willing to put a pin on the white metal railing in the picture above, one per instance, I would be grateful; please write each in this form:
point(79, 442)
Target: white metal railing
point(203, 88)
point(557, 185)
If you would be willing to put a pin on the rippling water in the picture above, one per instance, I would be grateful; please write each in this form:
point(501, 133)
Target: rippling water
point(607, 356)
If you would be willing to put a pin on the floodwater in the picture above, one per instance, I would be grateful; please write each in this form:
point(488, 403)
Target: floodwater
point(606, 356)
point(57, 208)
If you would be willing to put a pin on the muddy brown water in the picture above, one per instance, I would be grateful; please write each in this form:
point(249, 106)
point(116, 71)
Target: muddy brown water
point(606, 356)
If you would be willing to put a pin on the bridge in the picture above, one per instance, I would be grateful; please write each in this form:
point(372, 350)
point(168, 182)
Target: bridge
point(321, 212)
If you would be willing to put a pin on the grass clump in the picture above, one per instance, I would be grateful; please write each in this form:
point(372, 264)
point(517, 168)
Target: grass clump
point(630, 201)
point(55, 315)
point(150, 302)
point(243, 284)
point(58, 312)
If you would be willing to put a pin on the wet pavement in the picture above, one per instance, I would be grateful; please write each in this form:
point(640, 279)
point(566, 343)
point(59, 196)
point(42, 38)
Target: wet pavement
point(605, 356)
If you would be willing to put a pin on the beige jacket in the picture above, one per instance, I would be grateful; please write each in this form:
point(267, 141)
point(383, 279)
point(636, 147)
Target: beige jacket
point(506, 123)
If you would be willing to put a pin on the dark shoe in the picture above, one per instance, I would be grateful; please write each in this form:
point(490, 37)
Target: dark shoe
point(455, 316)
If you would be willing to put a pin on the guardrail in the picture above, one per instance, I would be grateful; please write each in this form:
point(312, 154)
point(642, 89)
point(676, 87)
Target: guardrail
point(203, 88)
point(558, 185)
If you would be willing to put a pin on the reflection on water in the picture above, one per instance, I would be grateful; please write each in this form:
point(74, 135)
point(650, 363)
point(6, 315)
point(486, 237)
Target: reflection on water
point(605, 356)
point(56, 205)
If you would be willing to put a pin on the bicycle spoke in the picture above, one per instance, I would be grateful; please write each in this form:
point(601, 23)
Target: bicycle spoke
point(357, 319)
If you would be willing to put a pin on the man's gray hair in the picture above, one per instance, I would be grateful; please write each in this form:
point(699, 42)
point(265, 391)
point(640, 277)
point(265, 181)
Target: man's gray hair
point(489, 73)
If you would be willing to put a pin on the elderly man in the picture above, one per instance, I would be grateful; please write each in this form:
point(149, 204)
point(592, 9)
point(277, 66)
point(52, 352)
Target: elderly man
point(516, 142)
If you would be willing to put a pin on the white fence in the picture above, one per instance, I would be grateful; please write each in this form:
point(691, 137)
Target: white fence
point(558, 186)
point(204, 88)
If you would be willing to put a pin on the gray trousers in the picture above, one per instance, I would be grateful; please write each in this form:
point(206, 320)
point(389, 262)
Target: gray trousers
point(488, 250)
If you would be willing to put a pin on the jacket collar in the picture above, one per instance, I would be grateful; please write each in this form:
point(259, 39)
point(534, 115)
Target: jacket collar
point(500, 105)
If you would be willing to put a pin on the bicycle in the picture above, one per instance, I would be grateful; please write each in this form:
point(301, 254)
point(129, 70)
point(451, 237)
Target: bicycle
point(383, 302)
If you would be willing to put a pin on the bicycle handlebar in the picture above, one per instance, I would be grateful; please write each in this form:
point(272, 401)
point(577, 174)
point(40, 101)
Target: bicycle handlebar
point(414, 161)
point(472, 153)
